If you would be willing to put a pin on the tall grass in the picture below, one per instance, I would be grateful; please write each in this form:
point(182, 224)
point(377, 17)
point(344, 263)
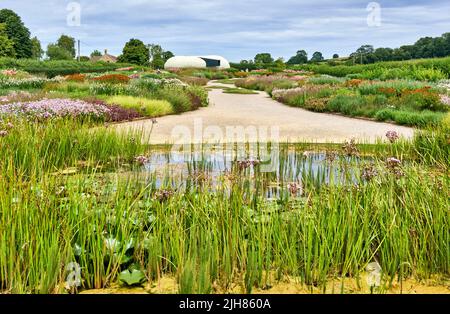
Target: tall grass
point(209, 238)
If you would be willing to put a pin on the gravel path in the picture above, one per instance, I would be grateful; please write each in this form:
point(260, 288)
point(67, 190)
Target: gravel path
point(231, 110)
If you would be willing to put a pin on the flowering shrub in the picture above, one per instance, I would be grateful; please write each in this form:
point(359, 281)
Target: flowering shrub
point(75, 78)
point(118, 113)
point(445, 99)
point(112, 79)
point(353, 83)
point(15, 96)
point(9, 72)
point(54, 108)
point(28, 83)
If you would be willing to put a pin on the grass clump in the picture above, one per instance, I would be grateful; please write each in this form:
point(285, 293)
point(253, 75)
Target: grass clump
point(145, 106)
point(241, 91)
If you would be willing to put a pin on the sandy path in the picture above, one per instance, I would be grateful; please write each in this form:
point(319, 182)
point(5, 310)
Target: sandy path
point(231, 110)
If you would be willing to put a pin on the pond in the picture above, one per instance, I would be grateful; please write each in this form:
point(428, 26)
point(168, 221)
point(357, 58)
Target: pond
point(289, 168)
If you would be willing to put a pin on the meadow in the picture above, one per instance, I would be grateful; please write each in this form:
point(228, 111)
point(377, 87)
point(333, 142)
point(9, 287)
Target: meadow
point(401, 101)
point(83, 207)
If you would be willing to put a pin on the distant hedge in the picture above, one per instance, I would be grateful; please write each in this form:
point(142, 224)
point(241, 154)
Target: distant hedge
point(437, 64)
point(54, 68)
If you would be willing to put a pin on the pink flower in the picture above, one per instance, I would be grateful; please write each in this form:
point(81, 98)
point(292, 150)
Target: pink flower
point(392, 136)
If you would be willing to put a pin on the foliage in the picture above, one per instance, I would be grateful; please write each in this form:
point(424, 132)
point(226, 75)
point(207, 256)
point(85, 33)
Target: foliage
point(6, 44)
point(317, 57)
point(17, 32)
point(112, 79)
point(67, 43)
point(55, 52)
point(300, 58)
point(36, 51)
point(145, 106)
point(59, 67)
point(135, 52)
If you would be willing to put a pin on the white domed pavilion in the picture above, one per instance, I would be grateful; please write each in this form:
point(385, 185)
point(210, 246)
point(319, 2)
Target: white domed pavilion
point(202, 62)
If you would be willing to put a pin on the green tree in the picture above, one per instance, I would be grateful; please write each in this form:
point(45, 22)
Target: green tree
point(364, 54)
point(67, 43)
point(55, 52)
point(157, 56)
point(300, 58)
point(262, 59)
point(383, 54)
point(317, 57)
point(6, 44)
point(17, 33)
point(167, 55)
point(335, 56)
point(135, 52)
point(37, 51)
point(96, 53)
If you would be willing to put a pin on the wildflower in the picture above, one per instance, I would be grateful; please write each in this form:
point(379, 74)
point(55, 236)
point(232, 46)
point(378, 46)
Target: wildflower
point(3, 133)
point(393, 162)
point(294, 188)
point(392, 136)
point(445, 99)
point(369, 172)
point(330, 156)
point(244, 164)
point(9, 125)
point(350, 148)
point(141, 160)
point(163, 195)
point(394, 166)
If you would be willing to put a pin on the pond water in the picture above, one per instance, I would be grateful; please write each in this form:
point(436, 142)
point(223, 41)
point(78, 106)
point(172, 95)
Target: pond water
point(288, 168)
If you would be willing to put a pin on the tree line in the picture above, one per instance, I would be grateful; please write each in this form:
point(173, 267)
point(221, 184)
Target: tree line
point(16, 42)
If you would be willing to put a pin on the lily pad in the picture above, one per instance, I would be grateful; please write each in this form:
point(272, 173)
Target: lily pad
point(132, 278)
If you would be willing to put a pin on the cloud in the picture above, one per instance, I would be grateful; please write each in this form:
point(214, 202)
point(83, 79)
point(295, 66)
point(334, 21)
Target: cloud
point(236, 29)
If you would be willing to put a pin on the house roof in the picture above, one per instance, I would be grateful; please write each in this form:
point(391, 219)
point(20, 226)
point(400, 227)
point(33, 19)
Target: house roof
point(105, 57)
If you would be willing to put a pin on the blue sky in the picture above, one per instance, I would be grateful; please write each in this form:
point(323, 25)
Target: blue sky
point(236, 29)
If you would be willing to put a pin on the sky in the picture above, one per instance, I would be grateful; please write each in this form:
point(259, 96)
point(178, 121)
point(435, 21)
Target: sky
point(235, 29)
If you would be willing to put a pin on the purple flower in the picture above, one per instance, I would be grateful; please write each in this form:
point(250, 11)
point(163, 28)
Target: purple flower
point(392, 136)
point(141, 159)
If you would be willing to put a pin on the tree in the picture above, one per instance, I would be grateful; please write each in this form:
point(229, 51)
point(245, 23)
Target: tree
point(317, 57)
point(383, 54)
point(300, 58)
point(135, 52)
point(263, 59)
point(96, 53)
point(55, 52)
point(364, 54)
point(17, 33)
point(6, 44)
point(36, 50)
point(167, 55)
point(335, 56)
point(156, 55)
point(84, 59)
point(67, 43)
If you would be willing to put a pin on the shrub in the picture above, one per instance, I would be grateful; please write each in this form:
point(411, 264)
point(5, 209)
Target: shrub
point(198, 96)
point(112, 79)
point(75, 78)
point(175, 95)
point(422, 99)
point(348, 105)
point(145, 106)
point(410, 118)
point(326, 79)
point(197, 81)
